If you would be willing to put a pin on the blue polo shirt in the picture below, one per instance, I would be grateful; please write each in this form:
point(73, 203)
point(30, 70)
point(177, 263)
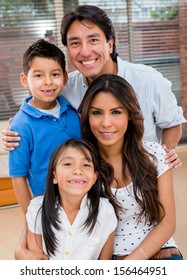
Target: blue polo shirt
point(41, 134)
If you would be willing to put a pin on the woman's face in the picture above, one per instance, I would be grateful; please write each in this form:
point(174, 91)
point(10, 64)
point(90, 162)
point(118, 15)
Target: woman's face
point(108, 119)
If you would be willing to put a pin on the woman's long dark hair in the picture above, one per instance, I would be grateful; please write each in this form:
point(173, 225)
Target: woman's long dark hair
point(136, 159)
point(52, 199)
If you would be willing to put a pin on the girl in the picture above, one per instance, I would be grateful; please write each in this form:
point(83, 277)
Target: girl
point(111, 119)
point(76, 220)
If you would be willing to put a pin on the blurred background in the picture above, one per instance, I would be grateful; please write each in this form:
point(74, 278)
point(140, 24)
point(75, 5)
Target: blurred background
point(152, 32)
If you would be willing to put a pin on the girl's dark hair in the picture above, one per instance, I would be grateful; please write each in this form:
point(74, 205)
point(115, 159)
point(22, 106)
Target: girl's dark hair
point(52, 199)
point(93, 14)
point(136, 159)
point(43, 48)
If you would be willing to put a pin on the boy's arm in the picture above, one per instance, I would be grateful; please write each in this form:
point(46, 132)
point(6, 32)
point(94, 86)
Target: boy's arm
point(22, 192)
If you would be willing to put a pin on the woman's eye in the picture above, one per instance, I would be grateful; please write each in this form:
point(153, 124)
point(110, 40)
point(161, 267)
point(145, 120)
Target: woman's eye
point(116, 112)
point(96, 113)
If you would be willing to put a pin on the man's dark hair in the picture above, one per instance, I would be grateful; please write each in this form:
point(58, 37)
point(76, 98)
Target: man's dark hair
point(93, 14)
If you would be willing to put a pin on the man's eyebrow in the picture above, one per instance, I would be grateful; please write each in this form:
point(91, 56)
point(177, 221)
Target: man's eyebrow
point(90, 36)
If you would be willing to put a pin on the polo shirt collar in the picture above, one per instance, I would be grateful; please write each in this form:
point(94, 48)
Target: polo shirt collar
point(64, 104)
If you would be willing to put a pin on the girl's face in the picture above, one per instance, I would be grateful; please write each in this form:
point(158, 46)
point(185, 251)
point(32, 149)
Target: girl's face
point(108, 120)
point(74, 173)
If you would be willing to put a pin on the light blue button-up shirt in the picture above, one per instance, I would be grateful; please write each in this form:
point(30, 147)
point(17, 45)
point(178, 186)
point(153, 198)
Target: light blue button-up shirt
point(157, 101)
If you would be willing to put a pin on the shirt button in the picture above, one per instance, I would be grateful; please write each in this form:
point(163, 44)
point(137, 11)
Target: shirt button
point(67, 253)
point(69, 233)
point(54, 120)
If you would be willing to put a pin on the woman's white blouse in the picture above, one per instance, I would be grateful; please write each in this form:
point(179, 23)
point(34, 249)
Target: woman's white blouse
point(74, 241)
point(130, 233)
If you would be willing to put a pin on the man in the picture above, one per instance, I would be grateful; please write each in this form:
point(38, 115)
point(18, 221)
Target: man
point(89, 36)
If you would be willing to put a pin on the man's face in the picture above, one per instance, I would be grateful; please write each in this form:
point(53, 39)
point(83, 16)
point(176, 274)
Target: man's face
point(89, 50)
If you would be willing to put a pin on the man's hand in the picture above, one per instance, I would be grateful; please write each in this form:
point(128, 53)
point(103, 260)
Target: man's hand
point(172, 158)
point(10, 138)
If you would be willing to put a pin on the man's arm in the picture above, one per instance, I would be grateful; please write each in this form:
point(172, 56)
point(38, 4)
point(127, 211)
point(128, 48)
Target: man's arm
point(170, 139)
point(171, 136)
point(10, 138)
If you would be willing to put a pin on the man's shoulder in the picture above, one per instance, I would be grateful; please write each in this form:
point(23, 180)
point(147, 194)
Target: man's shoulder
point(74, 76)
point(137, 69)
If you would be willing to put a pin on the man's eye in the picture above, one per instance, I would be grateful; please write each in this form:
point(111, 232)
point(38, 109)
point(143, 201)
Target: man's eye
point(94, 40)
point(74, 44)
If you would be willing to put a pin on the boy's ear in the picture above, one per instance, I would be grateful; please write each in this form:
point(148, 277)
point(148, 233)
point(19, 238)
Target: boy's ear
point(23, 80)
point(65, 77)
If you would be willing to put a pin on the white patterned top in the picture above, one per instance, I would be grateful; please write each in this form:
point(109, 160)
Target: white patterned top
point(129, 233)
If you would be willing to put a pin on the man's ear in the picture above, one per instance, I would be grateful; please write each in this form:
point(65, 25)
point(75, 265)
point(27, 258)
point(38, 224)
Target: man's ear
point(111, 43)
point(23, 80)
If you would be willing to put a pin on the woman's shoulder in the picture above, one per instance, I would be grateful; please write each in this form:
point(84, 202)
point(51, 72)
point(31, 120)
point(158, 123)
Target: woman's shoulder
point(157, 150)
point(154, 148)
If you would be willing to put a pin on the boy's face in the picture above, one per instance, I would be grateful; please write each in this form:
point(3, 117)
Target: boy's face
point(45, 80)
point(89, 50)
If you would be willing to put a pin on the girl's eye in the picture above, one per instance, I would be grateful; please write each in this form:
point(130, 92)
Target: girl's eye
point(87, 165)
point(56, 74)
point(38, 75)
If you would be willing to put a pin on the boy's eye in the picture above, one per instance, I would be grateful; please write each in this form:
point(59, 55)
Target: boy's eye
point(38, 75)
point(67, 164)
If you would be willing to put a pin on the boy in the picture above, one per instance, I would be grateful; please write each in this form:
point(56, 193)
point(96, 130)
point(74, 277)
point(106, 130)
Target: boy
point(44, 120)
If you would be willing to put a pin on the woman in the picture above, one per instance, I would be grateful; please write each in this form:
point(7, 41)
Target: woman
point(111, 119)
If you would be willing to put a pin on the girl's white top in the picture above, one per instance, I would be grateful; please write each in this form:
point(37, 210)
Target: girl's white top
point(74, 242)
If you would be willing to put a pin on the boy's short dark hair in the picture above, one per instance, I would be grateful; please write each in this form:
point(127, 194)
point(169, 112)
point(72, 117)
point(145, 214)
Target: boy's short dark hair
point(43, 48)
point(93, 14)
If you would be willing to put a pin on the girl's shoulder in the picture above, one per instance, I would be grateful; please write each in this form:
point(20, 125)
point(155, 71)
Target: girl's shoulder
point(106, 206)
point(36, 203)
